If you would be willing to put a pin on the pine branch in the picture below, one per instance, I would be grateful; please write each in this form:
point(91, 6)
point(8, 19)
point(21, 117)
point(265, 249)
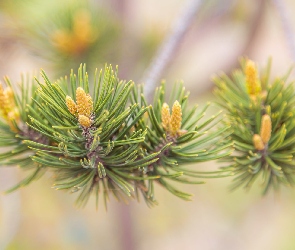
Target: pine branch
point(182, 137)
point(261, 116)
point(14, 129)
point(101, 137)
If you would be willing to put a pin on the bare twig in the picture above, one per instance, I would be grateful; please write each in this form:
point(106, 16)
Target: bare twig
point(254, 29)
point(286, 23)
point(127, 237)
point(170, 44)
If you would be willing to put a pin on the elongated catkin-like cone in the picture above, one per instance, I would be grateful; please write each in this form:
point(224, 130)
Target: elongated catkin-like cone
point(72, 107)
point(84, 102)
point(257, 141)
point(176, 118)
point(252, 81)
point(84, 121)
point(165, 116)
point(265, 130)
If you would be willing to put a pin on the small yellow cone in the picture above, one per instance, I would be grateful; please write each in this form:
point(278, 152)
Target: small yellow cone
point(165, 116)
point(265, 130)
point(84, 102)
point(176, 118)
point(252, 80)
point(257, 141)
point(72, 107)
point(84, 121)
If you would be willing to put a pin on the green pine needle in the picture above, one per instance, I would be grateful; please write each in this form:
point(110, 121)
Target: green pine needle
point(262, 148)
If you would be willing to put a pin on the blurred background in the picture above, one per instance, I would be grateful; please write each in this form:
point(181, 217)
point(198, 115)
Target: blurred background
point(59, 35)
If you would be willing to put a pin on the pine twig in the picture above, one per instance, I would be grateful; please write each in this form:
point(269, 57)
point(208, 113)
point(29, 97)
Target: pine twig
point(126, 225)
point(165, 53)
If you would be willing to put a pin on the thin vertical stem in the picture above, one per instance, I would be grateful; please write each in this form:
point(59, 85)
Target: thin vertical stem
point(169, 46)
point(127, 237)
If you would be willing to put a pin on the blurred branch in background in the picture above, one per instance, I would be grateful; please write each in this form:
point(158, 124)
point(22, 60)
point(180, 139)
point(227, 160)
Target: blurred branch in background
point(219, 11)
point(126, 226)
point(254, 26)
point(253, 33)
point(121, 8)
point(254, 30)
point(166, 51)
point(214, 16)
point(286, 23)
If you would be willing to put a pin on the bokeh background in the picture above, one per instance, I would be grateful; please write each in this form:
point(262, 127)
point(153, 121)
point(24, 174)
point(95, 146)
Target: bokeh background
point(59, 35)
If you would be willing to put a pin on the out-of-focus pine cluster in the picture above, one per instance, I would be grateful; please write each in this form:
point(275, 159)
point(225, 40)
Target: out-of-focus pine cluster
point(59, 35)
point(260, 112)
point(77, 31)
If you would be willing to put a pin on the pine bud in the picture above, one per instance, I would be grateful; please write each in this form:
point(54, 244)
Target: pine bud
point(9, 93)
point(252, 81)
point(82, 27)
point(176, 118)
point(63, 41)
point(165, 116)
point(84, 121)
point(2, 97)
point(13, 115)
point(257, 141)
point(265, 130)
point(72, 107)
point(84, 102)
point(7, 104)
point(8, 109)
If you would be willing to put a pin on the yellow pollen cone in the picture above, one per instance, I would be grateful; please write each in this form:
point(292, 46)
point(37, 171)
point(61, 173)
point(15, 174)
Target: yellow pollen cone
point(176, 118)
point(252, 80)
point(257, 141)
point(165, 116)
point(265, 130)
point(84, 102)
point(2, 98)
point(72, 107)
point(84, 121)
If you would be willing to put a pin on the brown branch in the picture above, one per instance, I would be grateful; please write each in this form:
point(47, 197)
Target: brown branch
point(169, 46)
point(254, 29)
point(127, 237)
point(253, 34)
